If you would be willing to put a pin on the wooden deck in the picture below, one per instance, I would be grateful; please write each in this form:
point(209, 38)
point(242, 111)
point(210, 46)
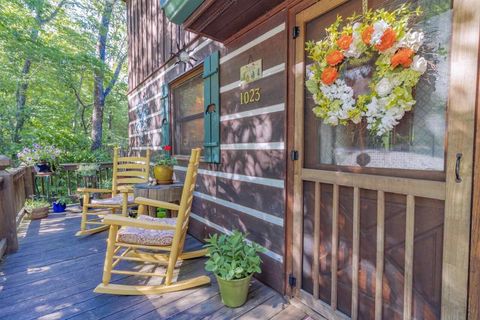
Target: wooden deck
point(53, 275)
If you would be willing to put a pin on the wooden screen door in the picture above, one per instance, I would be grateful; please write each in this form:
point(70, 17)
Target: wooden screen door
point(381, 226)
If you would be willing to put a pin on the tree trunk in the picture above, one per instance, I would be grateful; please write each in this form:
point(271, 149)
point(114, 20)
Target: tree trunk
point(99, 94)
point(97, 115)
point(21, 98)
point(21, 93)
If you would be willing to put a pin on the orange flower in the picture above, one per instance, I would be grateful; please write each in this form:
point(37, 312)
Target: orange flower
point(334, 58)
point(367, 34)
point(345, 41)
point(388, 39)
point(329, 75)
point(402, 57)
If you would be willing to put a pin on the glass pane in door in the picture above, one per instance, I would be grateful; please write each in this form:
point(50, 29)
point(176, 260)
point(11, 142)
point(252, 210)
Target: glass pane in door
point(418, 141)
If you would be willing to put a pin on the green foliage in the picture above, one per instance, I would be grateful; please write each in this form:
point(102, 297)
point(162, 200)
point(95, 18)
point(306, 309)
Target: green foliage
point(63, 200)
point(35, 204)
point(161, 213)
point(59, 98)
point(231, 257)
point(88, 169)
point(106, 184)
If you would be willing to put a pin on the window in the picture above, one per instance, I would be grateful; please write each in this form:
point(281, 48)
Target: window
point(188, 124)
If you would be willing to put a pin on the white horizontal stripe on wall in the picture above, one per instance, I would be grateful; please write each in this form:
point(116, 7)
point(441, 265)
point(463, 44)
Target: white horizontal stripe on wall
point(146, 85)
point(148, 117)
point(276, 183)
point(251, 212)
point(254, 112)
point(145, 148)
point(145, 102)
point(271, 254)
point(146, 133)
point(253, 43)
point(254, 146)
point(267, 73)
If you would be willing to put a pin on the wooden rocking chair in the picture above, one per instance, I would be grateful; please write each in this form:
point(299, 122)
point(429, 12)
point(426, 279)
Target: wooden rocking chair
point(126, 172)
point(153, 234)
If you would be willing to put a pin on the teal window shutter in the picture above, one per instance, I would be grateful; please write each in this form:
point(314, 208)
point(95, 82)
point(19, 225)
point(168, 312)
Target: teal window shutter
point(212, 108)
point(166, 116)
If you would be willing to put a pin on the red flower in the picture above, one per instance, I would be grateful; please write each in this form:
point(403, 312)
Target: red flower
point(367, 34)
point(345, 41)
point(329, 75)
point(388, 39)
point(167, 148)
point(403, 57)
point(334, 58)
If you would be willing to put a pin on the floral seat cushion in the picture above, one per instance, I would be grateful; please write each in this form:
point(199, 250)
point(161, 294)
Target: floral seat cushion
point(148, 237)
point(115, 200)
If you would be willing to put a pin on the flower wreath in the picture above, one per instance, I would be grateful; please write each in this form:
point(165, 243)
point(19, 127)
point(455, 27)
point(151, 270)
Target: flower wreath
point(384, 35)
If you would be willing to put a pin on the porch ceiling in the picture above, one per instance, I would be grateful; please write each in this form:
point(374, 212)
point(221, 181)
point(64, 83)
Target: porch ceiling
point(221, 19)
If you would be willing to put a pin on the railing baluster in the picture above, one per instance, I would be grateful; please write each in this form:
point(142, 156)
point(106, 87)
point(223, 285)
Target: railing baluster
point(380, 254)
point(409, 244)
point(316, 242)
point(356, 251)
point(334, 246)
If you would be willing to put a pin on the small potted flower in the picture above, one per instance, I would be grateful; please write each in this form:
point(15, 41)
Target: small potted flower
point(36, 209)
point(41, 157)
point(233, 261)
point(163, 170)
point(60, 204)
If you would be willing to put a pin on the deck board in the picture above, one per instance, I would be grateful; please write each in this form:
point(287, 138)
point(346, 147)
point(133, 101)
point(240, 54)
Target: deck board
point(53, 275)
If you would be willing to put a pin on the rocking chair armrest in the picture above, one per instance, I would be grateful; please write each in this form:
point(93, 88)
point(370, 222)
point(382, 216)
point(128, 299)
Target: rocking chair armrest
point(125, 189)
point(93, 190)
point(114, 219)
point(157, 204)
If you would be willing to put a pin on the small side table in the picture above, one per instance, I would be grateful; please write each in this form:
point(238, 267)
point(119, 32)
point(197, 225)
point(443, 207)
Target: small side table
point(166, 192)
point(46, 180)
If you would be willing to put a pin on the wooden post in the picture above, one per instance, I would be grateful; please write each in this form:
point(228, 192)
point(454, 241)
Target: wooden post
point(28, 178)
point(8, 224)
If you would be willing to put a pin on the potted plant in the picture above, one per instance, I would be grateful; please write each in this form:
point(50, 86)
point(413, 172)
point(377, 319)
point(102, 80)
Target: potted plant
point(36, 209)
point(163, 169)
point(41, 157)
point(60, 204)
point(233, 261)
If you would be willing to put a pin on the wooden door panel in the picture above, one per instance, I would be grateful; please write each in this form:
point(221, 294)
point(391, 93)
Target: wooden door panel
point(377, 243)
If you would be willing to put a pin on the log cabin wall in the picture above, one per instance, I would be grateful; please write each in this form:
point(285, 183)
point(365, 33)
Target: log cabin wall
point(246, 191)
point(152, 40)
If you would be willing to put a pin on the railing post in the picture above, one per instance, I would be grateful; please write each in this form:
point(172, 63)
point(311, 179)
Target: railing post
point(8, 224)
point(28, 178)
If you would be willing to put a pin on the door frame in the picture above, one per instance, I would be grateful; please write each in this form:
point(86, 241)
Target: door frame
point(460, 133)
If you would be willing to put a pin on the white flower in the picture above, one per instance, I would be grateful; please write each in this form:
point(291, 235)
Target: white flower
point(357, 119)
point(412, 40)
point(419, 64)
point(384, 87)
point(332, 120)
point(379, 28)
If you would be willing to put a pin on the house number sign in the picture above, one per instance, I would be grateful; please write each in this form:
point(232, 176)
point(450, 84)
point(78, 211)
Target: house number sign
point(250, 96)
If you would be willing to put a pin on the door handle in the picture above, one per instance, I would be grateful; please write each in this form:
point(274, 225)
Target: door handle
point(458, 178)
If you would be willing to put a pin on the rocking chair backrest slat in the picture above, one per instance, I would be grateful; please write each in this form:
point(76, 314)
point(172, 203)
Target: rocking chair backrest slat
point(129, 170)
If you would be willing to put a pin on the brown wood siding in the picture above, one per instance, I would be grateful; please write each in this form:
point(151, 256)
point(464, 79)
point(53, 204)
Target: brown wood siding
point(245, 204)
point(153, 39)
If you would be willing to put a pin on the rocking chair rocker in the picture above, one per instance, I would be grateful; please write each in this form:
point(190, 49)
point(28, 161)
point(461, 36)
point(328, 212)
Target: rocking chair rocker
point(166, 235)
point(126, 172)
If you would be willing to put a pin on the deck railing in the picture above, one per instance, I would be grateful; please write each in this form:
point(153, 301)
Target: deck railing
point(16, 186)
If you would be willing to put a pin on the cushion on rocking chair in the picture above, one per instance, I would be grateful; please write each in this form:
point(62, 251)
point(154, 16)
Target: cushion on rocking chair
point(148, 237)
point(115, 200)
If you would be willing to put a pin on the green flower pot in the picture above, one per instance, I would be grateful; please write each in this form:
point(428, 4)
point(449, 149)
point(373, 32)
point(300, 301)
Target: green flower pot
point(234, 292)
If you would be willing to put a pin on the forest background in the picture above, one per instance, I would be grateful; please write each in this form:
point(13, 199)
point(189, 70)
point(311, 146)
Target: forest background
point(63, 77)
